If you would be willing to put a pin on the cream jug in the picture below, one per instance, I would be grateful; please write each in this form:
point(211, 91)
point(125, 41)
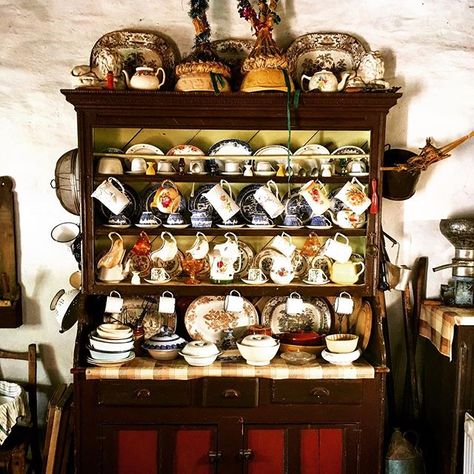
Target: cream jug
point(200, 247)
point(282, 272)
point(112, 197)
point(346, 273)
point(268, 197)
point(168, 249)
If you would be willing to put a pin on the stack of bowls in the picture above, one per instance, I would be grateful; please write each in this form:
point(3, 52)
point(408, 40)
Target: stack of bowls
point(111, 344)
point(341, 349)
point(258, 349)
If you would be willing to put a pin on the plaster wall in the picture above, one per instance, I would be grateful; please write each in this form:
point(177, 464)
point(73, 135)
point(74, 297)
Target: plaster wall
point(428, 50)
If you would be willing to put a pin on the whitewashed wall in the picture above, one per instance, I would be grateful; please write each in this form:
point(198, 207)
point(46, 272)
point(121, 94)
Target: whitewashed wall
point(428, 47)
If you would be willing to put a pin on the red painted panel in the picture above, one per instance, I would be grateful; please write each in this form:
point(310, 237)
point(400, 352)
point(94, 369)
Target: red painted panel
point(192, 452)
point(137, 452)
point(268, 447)
point(309, 452)
point(321, 451)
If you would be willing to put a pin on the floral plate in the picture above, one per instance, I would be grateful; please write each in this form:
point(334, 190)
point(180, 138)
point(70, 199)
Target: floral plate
point(206, 319)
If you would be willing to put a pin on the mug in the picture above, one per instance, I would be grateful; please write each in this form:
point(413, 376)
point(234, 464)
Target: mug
point(294, 304)
point(167, 303)
point(234, 303)
point(292, 220)
point(221, 201)
point(353, 195)
point(196, 167)
point(269, 199)
point(159, 274)
point(261, 220)
point(345, 273)
point(200, 247)
point(168, 249)
point(113, 302)
point(315, 195)
point(264, 166)
point(284, 244)
point(317, 276)
point(256, 275)
point(164, 167)
point(344, 304)
point(138, 165)
point(65, 233)
point(147, 218)
point(337, 250)
point(231, 167)
point(112, 198)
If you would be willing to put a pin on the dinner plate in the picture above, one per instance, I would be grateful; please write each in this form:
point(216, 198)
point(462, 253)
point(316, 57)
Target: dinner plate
point(276, 150)
point(108, 363)
point(348, 150)
point(312, 149)
point(185, 150)
point(131, 211)
point(136, 48)
point(143, 149)
point(298, 205)
point(230, 146)
point(206, 319)
point(322, 262)
point(147, 197)
point(316, 316)
point(312, 52)
point(249, 206)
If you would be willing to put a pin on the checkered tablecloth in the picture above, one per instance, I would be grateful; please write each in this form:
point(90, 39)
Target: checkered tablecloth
point(437, 324)
point(144, 368)
point(13, 405)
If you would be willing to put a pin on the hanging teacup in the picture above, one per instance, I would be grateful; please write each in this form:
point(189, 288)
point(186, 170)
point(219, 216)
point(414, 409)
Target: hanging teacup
point(167, 197)
point(112, 197)
point(268, 197)
point(222, 201)
point(315, 195)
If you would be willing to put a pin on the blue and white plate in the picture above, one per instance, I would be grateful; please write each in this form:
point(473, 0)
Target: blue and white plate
point(298, 206)
point(230, 146)
point(249, 206)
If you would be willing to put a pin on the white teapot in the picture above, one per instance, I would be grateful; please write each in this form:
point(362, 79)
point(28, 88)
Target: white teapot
point(325, 81)
point(347, 219)
point(145, 78)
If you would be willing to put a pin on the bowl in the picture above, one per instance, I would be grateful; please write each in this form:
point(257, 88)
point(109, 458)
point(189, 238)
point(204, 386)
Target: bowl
point(114, 331)
point(161, 354)
point(164, 345)
point(258, 340)
point(200, 353)
point(340, 359)
point(199, 361)
point(298, 358)
point(316, 350)
point(109, 345)
point(302, 338)
point(102, 355)
point(342, 343)
point(258, 355)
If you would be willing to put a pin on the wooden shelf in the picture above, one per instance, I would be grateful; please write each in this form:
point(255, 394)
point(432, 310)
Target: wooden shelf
point(243, 232)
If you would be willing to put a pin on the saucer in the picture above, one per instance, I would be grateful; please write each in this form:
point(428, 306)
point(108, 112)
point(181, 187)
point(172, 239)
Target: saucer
point(255, 226)
point(118, 226)
point(230, 227)
point(135, 172)
point(265, 173)
point(231, 173)
point(166, 172)
point(147, 226)
point(199, 174)
point(314, 283)
point(176, 226)
point(157, 282)
point(319, 227)
point(290, 226)
point(254, 282)
point(362, 173)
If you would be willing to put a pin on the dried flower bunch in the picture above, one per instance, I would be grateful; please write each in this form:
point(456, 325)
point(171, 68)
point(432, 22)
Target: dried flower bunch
point(202, 59)
point(265, 53)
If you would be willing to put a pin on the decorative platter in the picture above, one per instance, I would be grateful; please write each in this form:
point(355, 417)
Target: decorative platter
point(312, 149)
point(314, 52)
point(206, 319)
point(185, 150)
point(144, 149)
point(349, 150)
point(230, 146)
point(277, 150)
point(316, 316)
point(136, 48)
point(249, 207)
point(264, 260)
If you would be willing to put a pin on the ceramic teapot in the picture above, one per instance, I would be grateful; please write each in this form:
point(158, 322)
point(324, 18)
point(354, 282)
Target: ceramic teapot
point(145, 78)
point(282, 271)
point(324, 81)
point(347, 219)
point(225, 260)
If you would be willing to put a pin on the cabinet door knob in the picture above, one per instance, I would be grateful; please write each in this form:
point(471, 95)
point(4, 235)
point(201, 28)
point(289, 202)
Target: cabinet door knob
point(214, 456)
point(142, 393)
point(320, 392)
point(245, 454)
point(230, 393)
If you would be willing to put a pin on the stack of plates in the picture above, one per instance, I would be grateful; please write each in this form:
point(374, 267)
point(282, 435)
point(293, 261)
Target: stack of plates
point(111, 345)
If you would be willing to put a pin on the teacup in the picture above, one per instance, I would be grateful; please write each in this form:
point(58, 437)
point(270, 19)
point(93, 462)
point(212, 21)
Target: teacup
point(264, 166)
point(138, 165)
point(337, 248)
point(159, 274)
point(292, 220)
point(201, 219)
point(317, 276)
point(164, 167)
point(261, 220)
point(175, 218)
point(284, 244)
point(320, 221)
point(119, 220)
point(256, 275)
point(147, 218)
point(196, 167)
point(232, 167)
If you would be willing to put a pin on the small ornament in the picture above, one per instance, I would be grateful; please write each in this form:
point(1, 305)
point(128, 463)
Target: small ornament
point(181, 166)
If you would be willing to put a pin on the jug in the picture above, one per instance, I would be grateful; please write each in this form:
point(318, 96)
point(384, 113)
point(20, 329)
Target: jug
point(225, 260)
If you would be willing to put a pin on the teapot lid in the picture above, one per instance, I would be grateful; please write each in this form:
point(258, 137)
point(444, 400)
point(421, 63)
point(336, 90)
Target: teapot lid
point(164, 339)
point(259, 340)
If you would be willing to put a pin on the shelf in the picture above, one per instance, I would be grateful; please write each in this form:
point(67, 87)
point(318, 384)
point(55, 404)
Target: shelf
point(179, 288)
point(190, 178)
point(243, 232)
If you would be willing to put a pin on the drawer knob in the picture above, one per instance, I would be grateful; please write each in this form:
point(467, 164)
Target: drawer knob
point(214, 456)
point(142, 394)
point(320, 392)
point(245, 454)
point(230, 393)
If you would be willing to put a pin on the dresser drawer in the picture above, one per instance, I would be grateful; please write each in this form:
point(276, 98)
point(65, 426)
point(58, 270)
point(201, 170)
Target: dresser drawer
point(346, 392)
point(145, 393)
point(229, 392)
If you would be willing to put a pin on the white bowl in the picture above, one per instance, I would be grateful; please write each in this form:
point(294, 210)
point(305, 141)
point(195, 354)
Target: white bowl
point(200, 349)
point(110, 345)
point(162, 354)
point(198, 361)
point(114, 331)
point(258, 355)
point(342, 343)
point(340, 359)
point(102, 355)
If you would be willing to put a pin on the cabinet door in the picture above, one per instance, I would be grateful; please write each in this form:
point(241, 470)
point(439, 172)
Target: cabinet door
point(159, 450)
point(295, 449)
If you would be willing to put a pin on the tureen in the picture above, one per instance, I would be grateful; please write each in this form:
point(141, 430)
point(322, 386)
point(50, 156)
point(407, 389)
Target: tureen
point(200, 353)
point(258, 349)
point(164, 345)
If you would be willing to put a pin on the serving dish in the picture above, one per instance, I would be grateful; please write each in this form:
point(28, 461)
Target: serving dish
point(340, 359)
point(312, 149)
point(316, 316)
point(316, 350)
point(165, 345)
point(185, 150)
point(200, 353)
point(342, 343)
point(275, 150)
point(206, 319)
point(258, 349)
